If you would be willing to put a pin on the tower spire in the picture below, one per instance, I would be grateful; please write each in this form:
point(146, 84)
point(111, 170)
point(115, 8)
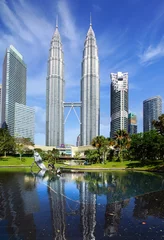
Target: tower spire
point(90, 19)
point(57, 21)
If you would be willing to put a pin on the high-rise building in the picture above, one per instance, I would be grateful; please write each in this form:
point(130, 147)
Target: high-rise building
point(24, 124)
point(90, 90)
point(78, 141)
point(132, 123)
point(55, 93)
point(13, 85)
point(152, 109)
point(119, 102)
point(0, 104)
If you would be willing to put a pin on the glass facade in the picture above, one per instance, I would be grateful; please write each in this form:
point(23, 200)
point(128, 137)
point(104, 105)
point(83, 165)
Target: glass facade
point(13, 85)
point(152, 109)
point(132, 120)
point(90, 90)
point(24, 122)
point(55, 93)
point(119, 102)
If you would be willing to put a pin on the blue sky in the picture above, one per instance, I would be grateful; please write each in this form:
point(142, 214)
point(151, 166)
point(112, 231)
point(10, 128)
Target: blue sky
point(130, 38)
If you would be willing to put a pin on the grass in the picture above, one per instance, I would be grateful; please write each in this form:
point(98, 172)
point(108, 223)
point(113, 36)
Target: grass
point(26, 162)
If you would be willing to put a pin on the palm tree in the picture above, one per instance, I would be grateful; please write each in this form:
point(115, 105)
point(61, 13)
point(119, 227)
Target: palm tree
point(101, 144)
point(122, 142)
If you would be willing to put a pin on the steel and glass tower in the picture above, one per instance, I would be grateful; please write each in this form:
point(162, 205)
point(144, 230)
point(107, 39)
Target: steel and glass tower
point(119, 102)
point(152, 109)
point(55, 93)
point(13, 85)
point(90, 90)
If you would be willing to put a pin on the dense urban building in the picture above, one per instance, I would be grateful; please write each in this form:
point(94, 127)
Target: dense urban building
point(152, 109)
point(24, 122)
point(119, 102)
point(78, 141)
point(90, 90)
point(14, 109)
point(55, 93)
point(13, 85)
point(132, 123)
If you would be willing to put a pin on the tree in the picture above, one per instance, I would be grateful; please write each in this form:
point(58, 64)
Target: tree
point(7, 142)
point(122, 143)
point(22, 145)
point(101, 144)
point(159, 125)
point(91, 155)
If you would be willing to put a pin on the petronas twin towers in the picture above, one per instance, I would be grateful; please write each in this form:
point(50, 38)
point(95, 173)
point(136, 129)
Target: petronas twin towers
point(90, 92)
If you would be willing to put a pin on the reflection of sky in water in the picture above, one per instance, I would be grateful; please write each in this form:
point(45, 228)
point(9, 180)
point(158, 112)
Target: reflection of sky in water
point(81, 206)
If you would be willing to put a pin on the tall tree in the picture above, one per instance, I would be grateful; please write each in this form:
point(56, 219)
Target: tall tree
point(122, 142)
point(159, 125)
point(7, 142)
point(101, 144)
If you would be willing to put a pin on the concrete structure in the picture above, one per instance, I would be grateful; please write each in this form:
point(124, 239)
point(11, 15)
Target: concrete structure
point(55, 93)
point(132, 123)
point(90, 90)
point(78, 141)
point(119, 102)
point(0, 103)
point(24, 122)
point(152, 109)
point(13, 85)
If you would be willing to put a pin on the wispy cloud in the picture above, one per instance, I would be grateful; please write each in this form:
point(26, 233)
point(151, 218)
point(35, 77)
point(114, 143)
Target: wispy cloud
point(152, 53)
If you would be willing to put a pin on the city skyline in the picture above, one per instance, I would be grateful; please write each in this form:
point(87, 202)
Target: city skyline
point(123, 46)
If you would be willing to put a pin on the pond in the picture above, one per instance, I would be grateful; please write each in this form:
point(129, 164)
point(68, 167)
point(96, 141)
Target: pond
point(90, 205)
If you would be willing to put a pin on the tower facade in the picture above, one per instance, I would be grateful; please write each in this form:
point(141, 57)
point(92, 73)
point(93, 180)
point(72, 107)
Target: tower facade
point(152, 109)
point(90, 90)
point(55, 93)
point(132, 123)
point(119, 102)
point(13, 85)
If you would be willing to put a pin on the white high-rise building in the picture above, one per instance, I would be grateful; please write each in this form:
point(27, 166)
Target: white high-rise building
point(13, 85)
point(55, 93)
point(18, 117)
point(24, 122)
point(90, 90)
point(119, 102)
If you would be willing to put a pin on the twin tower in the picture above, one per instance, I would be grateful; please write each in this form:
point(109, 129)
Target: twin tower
point(90, 92)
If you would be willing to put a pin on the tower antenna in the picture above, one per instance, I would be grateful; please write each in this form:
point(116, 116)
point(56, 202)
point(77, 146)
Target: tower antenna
point(90, 19)
point(57, 21)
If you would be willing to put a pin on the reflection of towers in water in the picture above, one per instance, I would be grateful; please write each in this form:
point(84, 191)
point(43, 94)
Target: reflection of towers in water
point(87, 211)
point(57, 205)
point(112, 217)
point(14, 207)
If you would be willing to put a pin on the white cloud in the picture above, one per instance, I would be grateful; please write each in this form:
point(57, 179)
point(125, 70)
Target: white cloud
point(152, 53)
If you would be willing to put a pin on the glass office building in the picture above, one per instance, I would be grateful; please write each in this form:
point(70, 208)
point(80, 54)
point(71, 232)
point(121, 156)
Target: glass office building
point(132, 123)
point(152, 109)
point(13, 85)
point(24, 122)
point(119, 102)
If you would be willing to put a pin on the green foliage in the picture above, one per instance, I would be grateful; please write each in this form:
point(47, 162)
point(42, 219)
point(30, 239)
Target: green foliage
point(122, 143)
point(91, 156)
point(7, 142)
point(77, 156)
point(159, 125)
point(148, 145)
point(102, 145)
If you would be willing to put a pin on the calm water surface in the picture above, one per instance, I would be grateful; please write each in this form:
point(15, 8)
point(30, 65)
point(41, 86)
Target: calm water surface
point(114, 205)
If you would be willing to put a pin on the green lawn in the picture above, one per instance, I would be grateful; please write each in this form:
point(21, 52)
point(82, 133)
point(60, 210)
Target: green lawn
point(26, 162)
